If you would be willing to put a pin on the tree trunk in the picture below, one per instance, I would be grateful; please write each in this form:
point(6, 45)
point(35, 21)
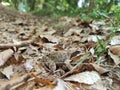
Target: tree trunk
point(91, 5)
point(44, 5)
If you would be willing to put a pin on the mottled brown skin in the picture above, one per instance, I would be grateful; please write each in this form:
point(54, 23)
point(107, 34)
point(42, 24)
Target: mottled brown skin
point(55, 60)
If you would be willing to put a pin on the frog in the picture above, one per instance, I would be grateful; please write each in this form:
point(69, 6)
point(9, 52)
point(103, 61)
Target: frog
point(55, 60)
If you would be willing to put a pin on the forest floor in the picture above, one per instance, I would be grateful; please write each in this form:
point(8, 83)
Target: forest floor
point(57, 54)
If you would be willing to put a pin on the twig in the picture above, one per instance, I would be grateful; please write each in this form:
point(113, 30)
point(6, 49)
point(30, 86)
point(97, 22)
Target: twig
point(19, 44)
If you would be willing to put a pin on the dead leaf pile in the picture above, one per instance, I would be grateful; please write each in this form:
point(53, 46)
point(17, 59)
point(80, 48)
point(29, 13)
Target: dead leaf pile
point(63, 55)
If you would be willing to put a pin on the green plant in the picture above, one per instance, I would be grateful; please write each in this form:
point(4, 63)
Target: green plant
point(101, 48)
point(59, 26)
point(85, 57)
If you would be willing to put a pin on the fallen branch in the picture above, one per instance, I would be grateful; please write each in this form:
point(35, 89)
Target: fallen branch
point(10, 45)
point(19, 44)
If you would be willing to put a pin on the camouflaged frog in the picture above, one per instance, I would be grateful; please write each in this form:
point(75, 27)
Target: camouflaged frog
point(55, 60)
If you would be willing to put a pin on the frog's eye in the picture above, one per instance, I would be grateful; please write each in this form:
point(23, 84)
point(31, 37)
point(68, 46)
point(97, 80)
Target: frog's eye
point(48, 54)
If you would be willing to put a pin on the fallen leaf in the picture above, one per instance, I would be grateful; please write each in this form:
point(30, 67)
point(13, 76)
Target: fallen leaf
point(28, 66)
point(44, 88)
point(50, 31)
point(114, 52)
point(94, 38)
point(99, 85)
point(50, 39)
point(62, 85)
point(85, 67)
point(7, 71)
point(58, 47)
point(5, 55)
point(92, 51)
point(74, 54)
point(84, 77)
point(75, 31)
point(115, 40)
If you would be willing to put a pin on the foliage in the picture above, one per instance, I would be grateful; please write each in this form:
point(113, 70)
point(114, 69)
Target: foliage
point(89, 8)
point(101, 48)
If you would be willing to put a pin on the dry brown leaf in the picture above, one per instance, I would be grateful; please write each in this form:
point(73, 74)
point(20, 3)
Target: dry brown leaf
point(115, 40)
point(115, 73)
point(28, 66)
point(99, 69)
point(42, 80)
point(76, 59)
point(18, 44)
point(7, 71)
point(5, 55)
point(114, 52)
point(85, 24)
point(14, 81)
point(58, 47)
point(62, 85)
point(92, 51)
point(74, 54)
point(95, 38)
point(92, 77)
point(44, 88)
point(17, 59)
point(50, 31)
point(73, 31)
point(66, 34)
point(99, 85)
point(85, 67)
point(50, 38)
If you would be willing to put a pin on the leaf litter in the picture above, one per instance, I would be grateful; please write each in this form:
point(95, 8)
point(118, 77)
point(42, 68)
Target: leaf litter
point(67, 54)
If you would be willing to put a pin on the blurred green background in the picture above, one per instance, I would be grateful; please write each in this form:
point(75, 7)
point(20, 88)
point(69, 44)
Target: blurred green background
point(95, 9)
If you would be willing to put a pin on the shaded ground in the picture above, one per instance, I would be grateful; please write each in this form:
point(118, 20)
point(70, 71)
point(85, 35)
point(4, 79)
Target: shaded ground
point(62, 54)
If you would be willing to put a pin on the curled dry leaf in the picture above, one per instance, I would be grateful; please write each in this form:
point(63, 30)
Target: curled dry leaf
point(58, 47)
point(50, 38)
point(99, 85)
point(115, 73)
point(5, 55)
point(49, 32)
point(7, 71)
point(114, 52)
point(115, 40)
point(17, 59)
point(95, 38)
point(94, 27)
point(92, 51)
point(16, 44)
point(72, 31)
point(85, 67)
point(84, 77)
point(99, 69)
point(13, 82)
point(42, 80)
point(62, 85)
point(48, 87)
